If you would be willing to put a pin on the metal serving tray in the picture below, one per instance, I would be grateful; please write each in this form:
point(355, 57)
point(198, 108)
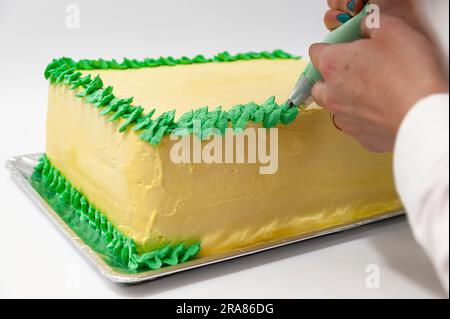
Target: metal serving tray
point(21, 169)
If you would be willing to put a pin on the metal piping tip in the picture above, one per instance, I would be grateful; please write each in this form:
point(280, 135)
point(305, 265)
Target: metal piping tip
point(301, 92)
point(290, 104)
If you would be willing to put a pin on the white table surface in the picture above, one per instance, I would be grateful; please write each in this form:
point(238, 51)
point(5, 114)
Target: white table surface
point(36, 261)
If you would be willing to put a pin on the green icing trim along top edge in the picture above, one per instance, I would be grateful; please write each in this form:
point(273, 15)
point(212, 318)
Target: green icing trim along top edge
point(122, 248)
point(102, 64)
point(268, 114)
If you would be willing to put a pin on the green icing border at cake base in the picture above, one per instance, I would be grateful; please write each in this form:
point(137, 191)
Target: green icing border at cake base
point(268, 114)
point(117, 248)
point(97, 231)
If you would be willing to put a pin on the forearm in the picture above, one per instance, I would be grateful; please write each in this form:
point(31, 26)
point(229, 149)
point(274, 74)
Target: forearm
point(421, 164)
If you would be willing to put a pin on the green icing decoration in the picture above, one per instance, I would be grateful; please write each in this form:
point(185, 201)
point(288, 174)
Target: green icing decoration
point(268, 114)
point(133, 117)
point(120, 247)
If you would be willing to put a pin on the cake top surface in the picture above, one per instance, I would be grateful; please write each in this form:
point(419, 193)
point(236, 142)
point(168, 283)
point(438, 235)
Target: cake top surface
point(155, 97)
point(189, 87)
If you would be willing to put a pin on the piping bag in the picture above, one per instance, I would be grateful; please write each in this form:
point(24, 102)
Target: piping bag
point(348, 32)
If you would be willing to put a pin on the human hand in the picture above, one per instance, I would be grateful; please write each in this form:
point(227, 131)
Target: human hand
point(369, 85)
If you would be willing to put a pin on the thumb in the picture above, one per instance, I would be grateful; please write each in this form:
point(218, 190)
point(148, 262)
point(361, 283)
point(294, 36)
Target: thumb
point(315, 51)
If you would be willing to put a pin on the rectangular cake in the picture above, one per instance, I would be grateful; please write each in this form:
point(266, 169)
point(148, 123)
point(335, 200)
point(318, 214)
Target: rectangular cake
point(109, 154)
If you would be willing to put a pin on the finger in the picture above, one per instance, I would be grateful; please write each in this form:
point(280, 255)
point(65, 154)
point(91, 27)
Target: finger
point(318, 93)
point(356, 6)
point(333, 19)
point(351, 7)
point(315, 51)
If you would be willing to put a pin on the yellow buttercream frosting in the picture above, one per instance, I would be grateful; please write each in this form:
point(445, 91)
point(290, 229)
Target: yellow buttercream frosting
point(324, 178)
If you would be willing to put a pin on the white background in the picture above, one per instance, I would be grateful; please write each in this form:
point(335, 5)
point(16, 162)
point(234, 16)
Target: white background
point(35, 260)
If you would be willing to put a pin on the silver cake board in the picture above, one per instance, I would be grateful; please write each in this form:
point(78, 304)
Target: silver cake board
point(21, 168)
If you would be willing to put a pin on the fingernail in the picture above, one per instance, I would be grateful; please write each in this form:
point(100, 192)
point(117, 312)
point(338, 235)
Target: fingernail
point(343, 17)
point(351, 5)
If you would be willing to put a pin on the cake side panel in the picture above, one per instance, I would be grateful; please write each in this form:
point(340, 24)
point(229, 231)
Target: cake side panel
point(117, 172)
point(324, 178)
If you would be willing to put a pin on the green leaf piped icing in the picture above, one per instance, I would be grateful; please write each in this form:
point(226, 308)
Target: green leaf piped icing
point(120, 246)
point(268, 114)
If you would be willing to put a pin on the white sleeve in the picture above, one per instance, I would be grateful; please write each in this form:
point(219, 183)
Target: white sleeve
point(421, 168)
